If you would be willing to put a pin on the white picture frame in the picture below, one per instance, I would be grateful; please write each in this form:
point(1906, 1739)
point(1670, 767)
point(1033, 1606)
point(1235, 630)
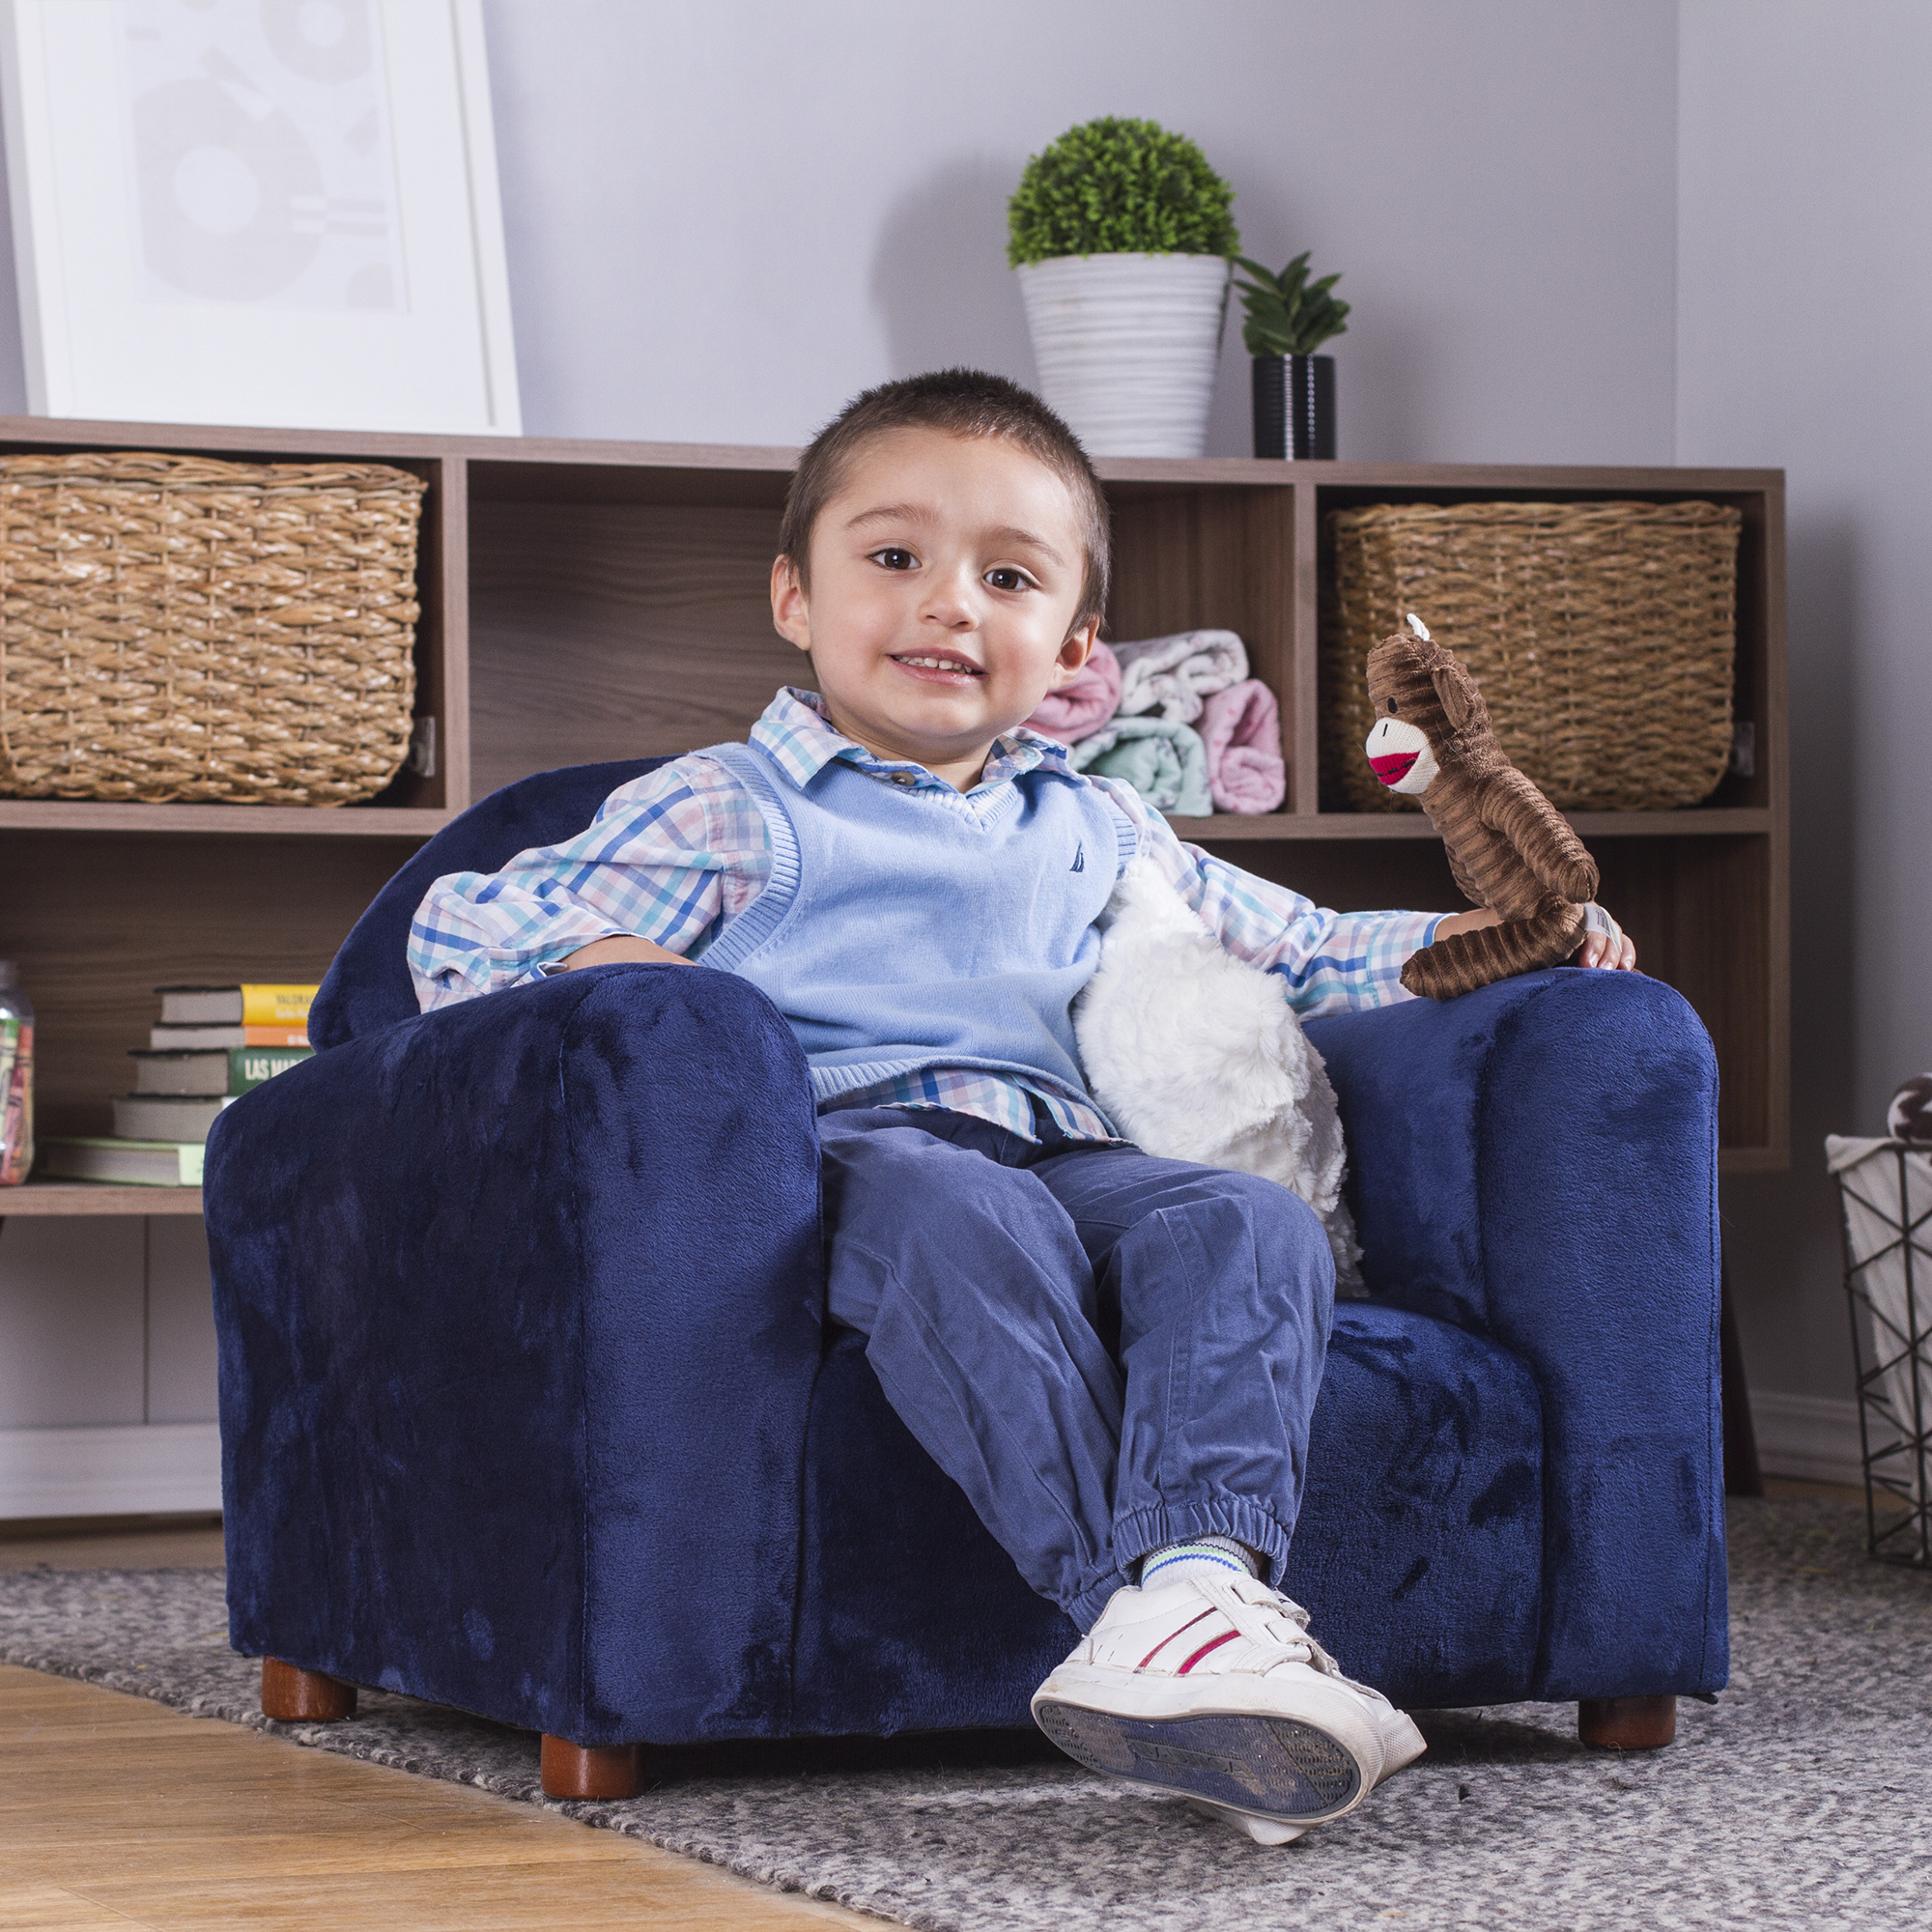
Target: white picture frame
point(277, 213)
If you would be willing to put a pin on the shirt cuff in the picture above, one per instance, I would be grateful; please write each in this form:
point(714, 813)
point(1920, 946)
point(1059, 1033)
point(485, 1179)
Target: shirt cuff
point(549, 959)
point(1403, 932)
point(1396, 936)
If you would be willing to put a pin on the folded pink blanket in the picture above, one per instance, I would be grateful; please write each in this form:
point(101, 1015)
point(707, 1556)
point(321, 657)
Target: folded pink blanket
point(1241, 729)
point(1079, 709)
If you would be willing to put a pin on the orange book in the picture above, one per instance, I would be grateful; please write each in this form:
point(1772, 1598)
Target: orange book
point(196, 1039)
point(274, 1036)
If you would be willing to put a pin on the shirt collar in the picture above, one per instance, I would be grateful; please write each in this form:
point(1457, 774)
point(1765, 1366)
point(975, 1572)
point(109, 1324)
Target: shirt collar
point(795, 735)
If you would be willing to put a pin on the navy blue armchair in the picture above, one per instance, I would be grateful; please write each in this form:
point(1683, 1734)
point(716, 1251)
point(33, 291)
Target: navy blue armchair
point(529, 1405)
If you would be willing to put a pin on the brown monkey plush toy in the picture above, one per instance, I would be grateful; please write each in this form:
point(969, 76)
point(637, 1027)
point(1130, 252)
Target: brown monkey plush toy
point(1508, 846)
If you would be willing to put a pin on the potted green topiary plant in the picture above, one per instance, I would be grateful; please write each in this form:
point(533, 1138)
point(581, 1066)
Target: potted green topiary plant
point(1288, 318)
point(1122, 237)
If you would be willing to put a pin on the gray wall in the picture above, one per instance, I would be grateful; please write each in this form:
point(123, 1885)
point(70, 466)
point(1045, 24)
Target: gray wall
point(724, 218)
point(1805, 285)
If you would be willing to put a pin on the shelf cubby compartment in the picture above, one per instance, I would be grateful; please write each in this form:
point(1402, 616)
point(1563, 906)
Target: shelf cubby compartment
point(98, 920)
point(590, 601)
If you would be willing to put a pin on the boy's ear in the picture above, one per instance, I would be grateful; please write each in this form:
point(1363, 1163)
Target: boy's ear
point(1075, 651)
point(791, 613)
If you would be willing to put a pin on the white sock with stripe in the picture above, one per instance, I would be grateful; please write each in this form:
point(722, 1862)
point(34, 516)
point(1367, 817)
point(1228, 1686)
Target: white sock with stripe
point(1201, 1556)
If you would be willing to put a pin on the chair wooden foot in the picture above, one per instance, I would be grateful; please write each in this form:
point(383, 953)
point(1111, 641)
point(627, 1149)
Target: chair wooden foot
point(293, 1696)
point(591, 1770)
point(1627, 1723)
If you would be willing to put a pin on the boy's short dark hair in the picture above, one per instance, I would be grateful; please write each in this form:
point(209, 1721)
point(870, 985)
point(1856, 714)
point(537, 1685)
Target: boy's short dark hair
point(962, 403)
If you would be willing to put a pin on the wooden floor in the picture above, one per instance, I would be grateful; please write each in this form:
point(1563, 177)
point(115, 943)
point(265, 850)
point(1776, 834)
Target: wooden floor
point(116, 1812)
point(145, 1546)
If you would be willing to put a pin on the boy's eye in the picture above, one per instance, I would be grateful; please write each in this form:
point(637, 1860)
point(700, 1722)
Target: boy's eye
point(892, 557)
point(1006, 578)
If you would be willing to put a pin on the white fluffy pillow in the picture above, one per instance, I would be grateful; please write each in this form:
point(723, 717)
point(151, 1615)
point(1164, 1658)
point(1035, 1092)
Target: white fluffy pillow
point(1198, 1056)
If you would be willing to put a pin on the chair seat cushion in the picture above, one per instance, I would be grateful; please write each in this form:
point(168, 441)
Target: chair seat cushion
point(1419, 1550)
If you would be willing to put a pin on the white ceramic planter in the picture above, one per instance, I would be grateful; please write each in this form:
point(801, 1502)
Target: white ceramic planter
point(1128, 345)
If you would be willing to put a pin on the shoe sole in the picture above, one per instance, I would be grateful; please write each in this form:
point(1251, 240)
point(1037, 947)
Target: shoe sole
point(1277, 1767)
point(1401, 1744)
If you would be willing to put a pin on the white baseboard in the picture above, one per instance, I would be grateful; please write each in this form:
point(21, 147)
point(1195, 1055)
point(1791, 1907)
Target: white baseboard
point(1811, 1436)
point(134, 1471)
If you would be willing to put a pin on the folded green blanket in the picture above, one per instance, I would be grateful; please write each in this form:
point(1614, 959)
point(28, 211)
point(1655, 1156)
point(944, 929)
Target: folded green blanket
point(1165, 762)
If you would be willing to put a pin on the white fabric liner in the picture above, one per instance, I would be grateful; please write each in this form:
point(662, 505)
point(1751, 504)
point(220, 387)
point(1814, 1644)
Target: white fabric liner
point(1887, 1205)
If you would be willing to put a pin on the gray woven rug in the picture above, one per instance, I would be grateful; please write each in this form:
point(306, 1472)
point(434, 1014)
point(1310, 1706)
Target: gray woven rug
point(1801, 1797)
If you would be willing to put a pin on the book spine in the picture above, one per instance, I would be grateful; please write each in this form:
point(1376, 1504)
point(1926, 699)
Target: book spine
point(275, 1036)
point(276, 1005)
point(10, 1045)
point(16, 1108)
point(250, 1067)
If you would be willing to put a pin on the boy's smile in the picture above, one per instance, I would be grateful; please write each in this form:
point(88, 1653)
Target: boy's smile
point(946, 573)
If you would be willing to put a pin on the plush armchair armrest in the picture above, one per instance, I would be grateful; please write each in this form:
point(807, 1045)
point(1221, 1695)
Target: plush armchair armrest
point(519, 1306)
point(1537, 1162)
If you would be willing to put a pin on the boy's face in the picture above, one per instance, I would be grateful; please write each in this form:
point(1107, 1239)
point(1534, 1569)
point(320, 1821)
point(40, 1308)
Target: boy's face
point(945, 575)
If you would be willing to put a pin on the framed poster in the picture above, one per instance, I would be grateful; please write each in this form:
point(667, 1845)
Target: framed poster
point(265, 213)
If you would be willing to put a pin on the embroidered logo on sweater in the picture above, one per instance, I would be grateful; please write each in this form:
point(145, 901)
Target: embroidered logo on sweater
point(1079, 864)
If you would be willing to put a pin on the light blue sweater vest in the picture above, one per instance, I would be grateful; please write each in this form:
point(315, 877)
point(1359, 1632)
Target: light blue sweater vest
point(901, 931)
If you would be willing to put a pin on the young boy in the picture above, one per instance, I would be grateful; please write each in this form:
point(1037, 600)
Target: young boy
point(1115, 1356)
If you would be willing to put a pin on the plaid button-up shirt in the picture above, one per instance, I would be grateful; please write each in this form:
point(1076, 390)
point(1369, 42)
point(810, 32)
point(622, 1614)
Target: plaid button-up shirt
point(675, 854)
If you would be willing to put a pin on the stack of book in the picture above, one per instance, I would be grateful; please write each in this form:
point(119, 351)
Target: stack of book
point(212, 1045)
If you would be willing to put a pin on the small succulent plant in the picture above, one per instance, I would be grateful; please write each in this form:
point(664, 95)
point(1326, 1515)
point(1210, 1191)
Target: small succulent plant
point(1288, 314)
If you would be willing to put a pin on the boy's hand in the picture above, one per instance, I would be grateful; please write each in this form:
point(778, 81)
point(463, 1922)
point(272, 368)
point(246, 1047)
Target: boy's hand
point(1603, 941)
point(608, 952)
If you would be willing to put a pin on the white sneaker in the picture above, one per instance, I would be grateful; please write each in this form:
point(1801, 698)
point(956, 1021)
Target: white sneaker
point(1213, 1690)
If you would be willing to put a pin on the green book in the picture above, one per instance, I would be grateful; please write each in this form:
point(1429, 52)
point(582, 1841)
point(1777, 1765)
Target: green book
point(250, 1067)
point(142, 1163)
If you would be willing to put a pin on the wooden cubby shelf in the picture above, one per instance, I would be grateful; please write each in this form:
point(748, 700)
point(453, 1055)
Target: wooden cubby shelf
point(1700, 822)
point(295, 821)
point(586, 601)
point(96, 1197)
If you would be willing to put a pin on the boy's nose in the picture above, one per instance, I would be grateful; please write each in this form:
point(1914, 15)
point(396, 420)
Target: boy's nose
point(951, 603)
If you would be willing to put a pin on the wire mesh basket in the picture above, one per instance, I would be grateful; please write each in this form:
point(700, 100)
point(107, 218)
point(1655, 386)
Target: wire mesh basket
point(1885, 1189)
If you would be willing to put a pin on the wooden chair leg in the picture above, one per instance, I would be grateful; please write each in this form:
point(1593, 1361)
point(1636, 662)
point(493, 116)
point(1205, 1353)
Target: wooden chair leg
point(296, 1696)
point(591, 1770)
point(1627, 1723)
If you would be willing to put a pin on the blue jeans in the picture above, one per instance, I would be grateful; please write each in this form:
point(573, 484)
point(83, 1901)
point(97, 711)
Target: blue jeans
point(1106, 1352)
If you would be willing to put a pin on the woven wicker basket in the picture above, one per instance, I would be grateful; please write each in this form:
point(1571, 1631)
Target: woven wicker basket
point(1603, 635)
point(177, 628)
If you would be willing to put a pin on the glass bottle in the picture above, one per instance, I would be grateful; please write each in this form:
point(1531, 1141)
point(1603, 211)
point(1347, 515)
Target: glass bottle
point(16, 1078)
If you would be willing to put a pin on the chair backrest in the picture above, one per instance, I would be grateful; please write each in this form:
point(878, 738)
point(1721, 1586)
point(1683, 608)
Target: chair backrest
point(368, 984)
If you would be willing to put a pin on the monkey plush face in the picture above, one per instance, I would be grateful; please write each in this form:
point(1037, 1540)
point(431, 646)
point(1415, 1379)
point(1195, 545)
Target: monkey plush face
point(1426, 704)
point(1399, 753)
